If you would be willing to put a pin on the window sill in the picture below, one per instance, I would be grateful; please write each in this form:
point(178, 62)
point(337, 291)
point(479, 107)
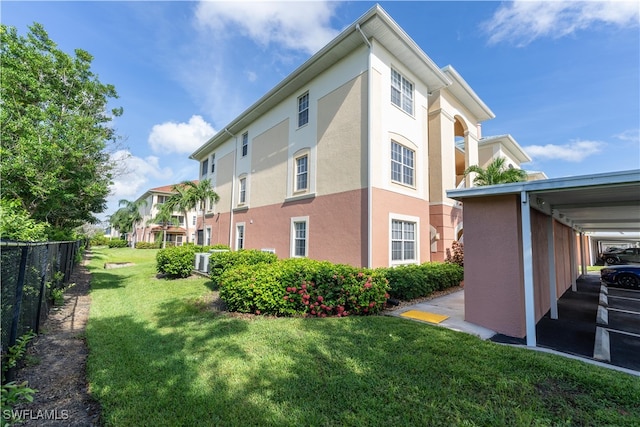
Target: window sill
point(241, 208)
point(297, 197)
point(406, 262)
point(401, 184)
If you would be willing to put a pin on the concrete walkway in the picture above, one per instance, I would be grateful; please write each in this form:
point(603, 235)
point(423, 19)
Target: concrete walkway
point(451, 305)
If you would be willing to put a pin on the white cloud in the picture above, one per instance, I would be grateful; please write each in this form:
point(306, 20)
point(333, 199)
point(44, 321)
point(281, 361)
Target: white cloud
point(184, 138)
point(521, 22)
point(575, 151)
point(295, 26)
point(133, 174)
point(632, 135)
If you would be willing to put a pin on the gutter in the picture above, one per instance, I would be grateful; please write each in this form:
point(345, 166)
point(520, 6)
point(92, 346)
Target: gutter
point(233, 185)
point(369, 155)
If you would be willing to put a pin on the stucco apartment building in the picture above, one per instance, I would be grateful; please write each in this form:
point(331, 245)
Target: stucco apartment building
point(148, 231)
point(348, 159)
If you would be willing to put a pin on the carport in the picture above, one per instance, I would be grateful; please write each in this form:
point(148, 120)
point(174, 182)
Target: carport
point(527, 243)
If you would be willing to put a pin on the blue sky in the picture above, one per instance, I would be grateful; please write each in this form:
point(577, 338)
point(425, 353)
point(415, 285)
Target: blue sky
point(563, 78)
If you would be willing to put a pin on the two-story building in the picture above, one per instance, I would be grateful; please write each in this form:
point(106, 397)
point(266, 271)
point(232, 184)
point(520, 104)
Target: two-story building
point(348, 159)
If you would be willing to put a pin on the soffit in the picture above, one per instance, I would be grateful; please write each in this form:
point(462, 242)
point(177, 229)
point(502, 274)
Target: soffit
point(591, 203)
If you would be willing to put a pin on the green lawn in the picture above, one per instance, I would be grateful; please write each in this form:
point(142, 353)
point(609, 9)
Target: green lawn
point(158, 357)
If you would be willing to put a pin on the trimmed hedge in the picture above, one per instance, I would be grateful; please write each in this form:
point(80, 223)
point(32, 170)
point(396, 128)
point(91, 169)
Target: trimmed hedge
point(408, 282)
point(149, 245)
point(176, 261)
point(118, 243)
point(303, 287)
point(219, 262)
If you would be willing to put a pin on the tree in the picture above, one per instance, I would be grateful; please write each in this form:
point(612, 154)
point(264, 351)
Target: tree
point(496, 173)
point(164, 218)
point(183, 201)
point(132, 215)
point(55, 130)
point(202, 193)
point(120, 221)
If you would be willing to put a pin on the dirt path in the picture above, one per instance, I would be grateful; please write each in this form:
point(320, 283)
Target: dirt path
point(57, 363)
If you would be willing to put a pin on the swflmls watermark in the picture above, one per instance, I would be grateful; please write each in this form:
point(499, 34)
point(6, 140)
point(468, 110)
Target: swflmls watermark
point(29, 414)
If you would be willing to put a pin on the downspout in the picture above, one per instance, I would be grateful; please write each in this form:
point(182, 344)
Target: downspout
point(233, 187)
point(369, 155)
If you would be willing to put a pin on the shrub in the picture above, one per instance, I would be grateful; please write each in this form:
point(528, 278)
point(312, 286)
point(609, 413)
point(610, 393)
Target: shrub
point(414, 281)
point(303, 287)
point(457, 257)
point(118, 243)
point(219, 262)
point(149, 245)
point(100, 240)
point(176, 261)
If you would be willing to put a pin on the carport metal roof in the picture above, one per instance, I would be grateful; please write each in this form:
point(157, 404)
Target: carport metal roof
point(588, 203)
point(607, 202)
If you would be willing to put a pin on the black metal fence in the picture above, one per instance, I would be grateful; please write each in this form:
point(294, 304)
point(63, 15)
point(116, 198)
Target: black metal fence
point(31, 272)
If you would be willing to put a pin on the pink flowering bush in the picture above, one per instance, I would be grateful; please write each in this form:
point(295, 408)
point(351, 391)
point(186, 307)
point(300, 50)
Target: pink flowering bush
point(304, 287)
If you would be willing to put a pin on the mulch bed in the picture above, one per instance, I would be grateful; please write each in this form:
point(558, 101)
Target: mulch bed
point(56, 363)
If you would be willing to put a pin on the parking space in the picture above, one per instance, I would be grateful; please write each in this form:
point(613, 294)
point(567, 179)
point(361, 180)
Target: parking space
point(597, 322)
point(621, 326)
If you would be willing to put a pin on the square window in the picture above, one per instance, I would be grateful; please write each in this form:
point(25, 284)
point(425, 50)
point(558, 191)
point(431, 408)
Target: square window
point(403, 240)
point(303, 110)
point(402, 164)
point(401, 92)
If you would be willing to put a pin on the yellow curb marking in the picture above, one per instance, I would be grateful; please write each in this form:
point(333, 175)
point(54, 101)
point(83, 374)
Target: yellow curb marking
point(424, 315)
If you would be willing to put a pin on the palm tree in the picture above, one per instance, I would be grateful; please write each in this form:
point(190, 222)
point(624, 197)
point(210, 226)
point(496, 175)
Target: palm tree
point(201, 192)
point(165, 218)
point(183, 201)
point(120, 221)
point(496, 173)
point(132, 213)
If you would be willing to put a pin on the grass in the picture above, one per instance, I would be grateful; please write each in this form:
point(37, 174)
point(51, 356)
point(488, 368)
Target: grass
point(158, 357)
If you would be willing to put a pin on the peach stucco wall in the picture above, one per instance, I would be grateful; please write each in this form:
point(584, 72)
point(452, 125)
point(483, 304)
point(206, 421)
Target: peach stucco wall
point(493, 274)
point(444, 219)
point(337, 229)
point(494, 279)
point(386, 203)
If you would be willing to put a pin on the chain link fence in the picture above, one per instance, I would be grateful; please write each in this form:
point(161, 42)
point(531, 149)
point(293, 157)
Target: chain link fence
point(31, 272)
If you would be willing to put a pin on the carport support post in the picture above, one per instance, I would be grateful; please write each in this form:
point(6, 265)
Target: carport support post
point(583, 261)
point(574, 260)
point(551, 251)
point(527, 264)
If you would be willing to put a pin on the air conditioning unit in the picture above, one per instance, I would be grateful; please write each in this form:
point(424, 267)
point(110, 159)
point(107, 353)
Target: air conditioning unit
point(196, 261)
point(204, 263)
point(270, 250)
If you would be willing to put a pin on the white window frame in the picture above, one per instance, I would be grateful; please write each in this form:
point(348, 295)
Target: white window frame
point(204, 167)
point(207, 236)
point(193, 221)
point(295, 238)
point(403, 164)
point(404, 219)
point(245, 144)
point(240, 236)
point(213, 163)
point(298, 174)
point(303, 109)
point(402, 92)
point(242, 190)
